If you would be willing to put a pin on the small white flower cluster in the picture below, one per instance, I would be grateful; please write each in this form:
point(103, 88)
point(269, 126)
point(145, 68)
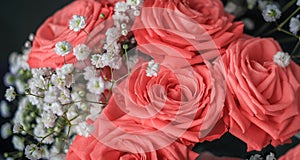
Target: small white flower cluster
point(124, 11)
point(270, 156)
point(77, 23)
point(81, 51)
point(251, 3)
point(63, 48)
point(124, 14)
point(10, 94)
point(282, 59)
point(152, 69)
point(294, 25)
point(271, 13)
point(32, 151)
point(56, 101)
point(56, 104)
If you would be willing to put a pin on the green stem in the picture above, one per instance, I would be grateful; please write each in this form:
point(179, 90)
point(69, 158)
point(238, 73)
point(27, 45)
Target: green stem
point(262, 29)
point(288, 5)
point(271, 32)
point(34, 95)
point(287, 19)
point(43, 138)
point(286, 32)
point(295, 48)
point(127, 61)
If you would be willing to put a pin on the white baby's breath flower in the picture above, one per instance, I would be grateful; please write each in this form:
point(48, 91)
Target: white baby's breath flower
point(6, 130)
point(271, 13)
point(56, 108)
point(58, 157)
point(33, 152)
point(77, 23)
point(94, 112)
point(121, 7)
point(81, 51)
point(35, 101)
point(64, 96)
point(96, 60)
point(152, 69)
point(72, 112)
point(251, 3)
point(271, 156)
point(48, 119)
point(36, 84)
point(40, 131)
point(78, 92)
point(107, 59)
point(90, 72)
point(51, 94)
point(282, 58)
point(112, 48)
point(96, 85)
point(67, 69)
point(40, 72)
point(20, 86)
point(112, 35)
point(4, 110)
point(136, 12)
point(18, 127)
point(8, 79)
point(18, 143)
point(83, 129)
point(294, 25)
point(61, 81)
point(298, 3)
point(119, 19)
point(62, 48)
point(249, 24)
point(10, 94)
point(133, 2)
point(230, 7)
point(256, 157)
point(18, 117)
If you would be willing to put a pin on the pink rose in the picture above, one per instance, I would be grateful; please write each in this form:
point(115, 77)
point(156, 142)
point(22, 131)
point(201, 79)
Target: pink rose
point(190, 27)
point(56, 29)
point(125, 139)
point(262, 97)
point(185, 103)
point(91, 149)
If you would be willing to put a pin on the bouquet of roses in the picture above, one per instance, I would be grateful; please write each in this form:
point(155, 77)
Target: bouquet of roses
point(149, 80)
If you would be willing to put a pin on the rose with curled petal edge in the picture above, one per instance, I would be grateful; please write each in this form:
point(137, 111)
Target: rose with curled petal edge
point(127, 148)
point(262, 97)
point(191, 27)
point(56, 29)
point(186, 103)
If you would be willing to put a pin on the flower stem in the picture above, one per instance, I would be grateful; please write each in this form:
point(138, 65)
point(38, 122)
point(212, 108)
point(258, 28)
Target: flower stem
point(287, 19)
point(295, 48)
point(288, 5)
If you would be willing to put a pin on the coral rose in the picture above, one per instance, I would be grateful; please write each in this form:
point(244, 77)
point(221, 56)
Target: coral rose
point(262, 96)
point(191, 27)
point(56, 29)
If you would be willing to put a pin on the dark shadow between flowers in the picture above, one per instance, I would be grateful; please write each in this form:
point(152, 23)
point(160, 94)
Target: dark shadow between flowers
point(230, 146)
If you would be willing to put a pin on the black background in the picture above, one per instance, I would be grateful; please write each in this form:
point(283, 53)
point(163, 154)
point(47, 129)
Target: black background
point(17, 20)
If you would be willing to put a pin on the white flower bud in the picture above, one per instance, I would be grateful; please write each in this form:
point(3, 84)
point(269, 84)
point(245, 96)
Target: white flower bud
point(62, 48)
point(77, 23)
